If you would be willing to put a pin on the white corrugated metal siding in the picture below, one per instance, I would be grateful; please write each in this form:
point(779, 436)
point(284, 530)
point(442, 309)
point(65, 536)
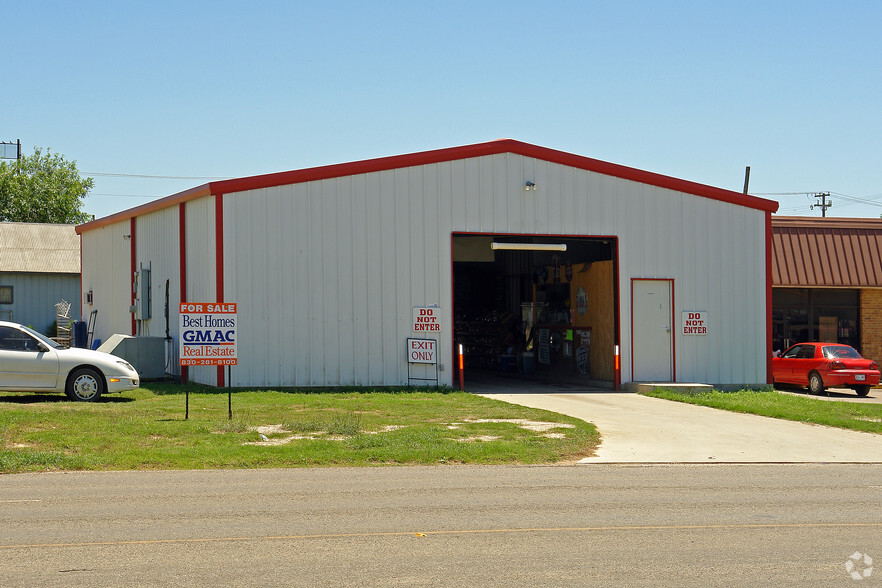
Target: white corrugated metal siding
point(326, 273)
point(201, 262)
point(106, 273)
point(157, 248)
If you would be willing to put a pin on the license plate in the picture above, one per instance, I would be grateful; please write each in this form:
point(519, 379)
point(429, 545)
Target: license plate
point(860, 377)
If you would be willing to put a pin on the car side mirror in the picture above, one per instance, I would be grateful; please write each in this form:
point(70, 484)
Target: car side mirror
point(42, 348)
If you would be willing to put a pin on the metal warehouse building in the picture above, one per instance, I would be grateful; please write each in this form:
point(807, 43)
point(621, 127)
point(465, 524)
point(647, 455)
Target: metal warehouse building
point(39, 268)
point(538, 263)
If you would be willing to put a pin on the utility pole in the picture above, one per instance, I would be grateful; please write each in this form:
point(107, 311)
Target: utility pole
point(823, 204)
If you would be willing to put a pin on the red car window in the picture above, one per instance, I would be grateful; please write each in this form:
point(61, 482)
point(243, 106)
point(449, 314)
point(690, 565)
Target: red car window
point(840, 352)
point(808, 352)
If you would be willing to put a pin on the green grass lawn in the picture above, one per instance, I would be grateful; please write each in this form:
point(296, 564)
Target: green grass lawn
point(146, 429)
point(770, 403)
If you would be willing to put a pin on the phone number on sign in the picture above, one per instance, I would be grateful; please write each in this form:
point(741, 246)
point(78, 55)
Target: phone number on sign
point(213, 361)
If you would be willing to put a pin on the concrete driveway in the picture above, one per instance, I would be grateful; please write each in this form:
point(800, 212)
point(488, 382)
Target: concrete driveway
point(640, 429)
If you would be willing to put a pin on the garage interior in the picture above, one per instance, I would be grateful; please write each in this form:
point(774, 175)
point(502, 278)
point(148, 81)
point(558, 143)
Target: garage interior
point(536, 307)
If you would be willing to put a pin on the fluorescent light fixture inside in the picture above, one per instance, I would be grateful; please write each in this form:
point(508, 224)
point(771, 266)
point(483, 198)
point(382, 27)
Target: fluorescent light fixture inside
point(529, 246)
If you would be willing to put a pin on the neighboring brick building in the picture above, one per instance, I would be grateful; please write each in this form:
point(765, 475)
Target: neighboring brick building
point(827, 282)
point(871, 323)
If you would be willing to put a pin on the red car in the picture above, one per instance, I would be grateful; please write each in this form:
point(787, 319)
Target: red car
point(822, 365)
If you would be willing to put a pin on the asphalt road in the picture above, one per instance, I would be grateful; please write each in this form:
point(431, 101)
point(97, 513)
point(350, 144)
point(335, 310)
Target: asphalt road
point(599, 524)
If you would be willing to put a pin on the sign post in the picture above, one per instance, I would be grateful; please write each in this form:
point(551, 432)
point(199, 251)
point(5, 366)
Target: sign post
point(422, 351)
point(208, 336)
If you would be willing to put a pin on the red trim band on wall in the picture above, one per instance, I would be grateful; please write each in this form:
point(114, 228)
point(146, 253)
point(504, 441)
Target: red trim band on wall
point(182, 252)
point(219, 264)
point(133, 264)
point(768, 298)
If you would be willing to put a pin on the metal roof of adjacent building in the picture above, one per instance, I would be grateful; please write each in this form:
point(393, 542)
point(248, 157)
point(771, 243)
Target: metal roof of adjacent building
point(811, 252)
point(39, 248)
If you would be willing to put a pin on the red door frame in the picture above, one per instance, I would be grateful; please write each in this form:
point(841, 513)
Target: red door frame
point(673, 339)
point(617, 307)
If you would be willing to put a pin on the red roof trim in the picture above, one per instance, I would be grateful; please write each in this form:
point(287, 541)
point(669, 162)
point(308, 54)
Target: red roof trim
point(440, 156)
point(180, 197)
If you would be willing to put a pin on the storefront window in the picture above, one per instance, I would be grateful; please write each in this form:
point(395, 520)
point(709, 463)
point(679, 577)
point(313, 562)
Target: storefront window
point(837, 325)
point(800, 314)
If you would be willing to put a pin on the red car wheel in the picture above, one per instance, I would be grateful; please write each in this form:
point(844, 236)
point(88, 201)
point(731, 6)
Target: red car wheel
point(816, 384)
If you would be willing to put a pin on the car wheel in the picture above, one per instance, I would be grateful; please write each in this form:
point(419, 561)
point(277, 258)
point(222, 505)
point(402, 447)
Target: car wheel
point(84, 384)
point(816, 384)
point(862, 390)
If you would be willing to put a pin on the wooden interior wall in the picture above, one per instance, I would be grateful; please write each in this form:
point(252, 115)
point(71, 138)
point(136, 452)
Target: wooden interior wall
point(597, 280)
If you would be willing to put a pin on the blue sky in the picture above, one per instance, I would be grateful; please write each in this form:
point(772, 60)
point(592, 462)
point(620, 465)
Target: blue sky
point(696, 90)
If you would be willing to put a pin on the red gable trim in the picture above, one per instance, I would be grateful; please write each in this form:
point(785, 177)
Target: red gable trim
point(440, 156)
point(180, 197)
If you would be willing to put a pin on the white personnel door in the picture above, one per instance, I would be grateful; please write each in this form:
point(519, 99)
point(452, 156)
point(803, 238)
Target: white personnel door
point(652, 348)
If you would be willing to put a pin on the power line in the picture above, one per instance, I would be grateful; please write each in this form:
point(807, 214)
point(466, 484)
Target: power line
point(871, 201)
point(123, 195)
point(783, 193)
point(152, 177)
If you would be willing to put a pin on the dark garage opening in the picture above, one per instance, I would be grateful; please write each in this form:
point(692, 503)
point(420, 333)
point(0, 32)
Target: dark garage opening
point(540, 307)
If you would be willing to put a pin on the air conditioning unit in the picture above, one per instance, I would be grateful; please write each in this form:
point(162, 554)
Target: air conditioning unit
point(146, 354)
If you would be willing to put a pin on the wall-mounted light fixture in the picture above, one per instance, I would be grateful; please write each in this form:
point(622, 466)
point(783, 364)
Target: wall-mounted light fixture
point(126, 237)
point(529, 186)
point(529, 246)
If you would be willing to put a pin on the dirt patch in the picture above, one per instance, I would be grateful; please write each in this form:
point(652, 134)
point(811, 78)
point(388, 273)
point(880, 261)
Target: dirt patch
point(537, 426)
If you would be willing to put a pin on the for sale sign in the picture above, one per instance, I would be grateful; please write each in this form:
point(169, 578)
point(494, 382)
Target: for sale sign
point(207, 333)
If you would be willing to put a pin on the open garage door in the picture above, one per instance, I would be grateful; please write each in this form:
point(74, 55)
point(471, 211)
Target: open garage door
point(541, 307)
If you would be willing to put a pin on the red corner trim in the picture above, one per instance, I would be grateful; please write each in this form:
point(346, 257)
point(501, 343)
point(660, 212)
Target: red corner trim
point(219, 264)
point(133, 261)
point(768, 298)
point(182, 252)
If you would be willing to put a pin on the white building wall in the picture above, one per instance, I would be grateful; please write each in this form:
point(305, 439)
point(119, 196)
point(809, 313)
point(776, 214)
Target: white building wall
point(157, 248)
point(106, 272)
point(201, 263)
point(326, 273)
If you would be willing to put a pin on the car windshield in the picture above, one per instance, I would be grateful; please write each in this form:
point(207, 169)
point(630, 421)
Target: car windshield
point(41, 337)
point(841, 352)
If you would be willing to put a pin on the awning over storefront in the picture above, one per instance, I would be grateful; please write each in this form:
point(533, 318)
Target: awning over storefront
point(826, 252)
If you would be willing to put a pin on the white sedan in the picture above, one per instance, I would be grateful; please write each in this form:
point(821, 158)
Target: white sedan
point(32, 362)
